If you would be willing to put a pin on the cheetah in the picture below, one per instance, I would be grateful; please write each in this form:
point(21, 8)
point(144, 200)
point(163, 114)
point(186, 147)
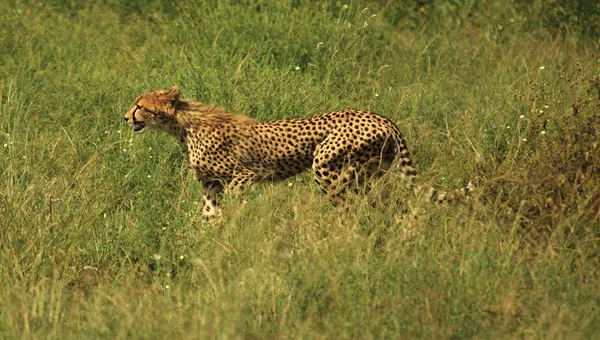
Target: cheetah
point(231, 152)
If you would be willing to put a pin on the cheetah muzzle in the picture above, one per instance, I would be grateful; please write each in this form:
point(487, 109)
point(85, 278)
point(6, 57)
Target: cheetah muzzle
point(138, 127)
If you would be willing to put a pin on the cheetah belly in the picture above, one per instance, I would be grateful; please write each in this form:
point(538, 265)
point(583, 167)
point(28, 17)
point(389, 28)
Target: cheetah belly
point(278, 166)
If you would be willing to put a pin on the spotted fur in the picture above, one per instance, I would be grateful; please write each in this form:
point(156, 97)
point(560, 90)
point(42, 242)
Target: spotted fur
point(226, 151)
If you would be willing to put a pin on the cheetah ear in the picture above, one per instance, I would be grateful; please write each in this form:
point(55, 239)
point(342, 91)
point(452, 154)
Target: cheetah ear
point(170, 98)
point(173, 94)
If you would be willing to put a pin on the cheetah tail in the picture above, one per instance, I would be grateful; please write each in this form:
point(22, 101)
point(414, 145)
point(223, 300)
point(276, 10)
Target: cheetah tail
point(445, 197)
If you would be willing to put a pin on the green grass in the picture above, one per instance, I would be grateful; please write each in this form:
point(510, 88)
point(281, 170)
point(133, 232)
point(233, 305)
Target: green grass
point(101, 235)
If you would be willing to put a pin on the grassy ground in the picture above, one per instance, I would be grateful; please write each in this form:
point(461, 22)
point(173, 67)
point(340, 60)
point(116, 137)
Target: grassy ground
point(101, 235)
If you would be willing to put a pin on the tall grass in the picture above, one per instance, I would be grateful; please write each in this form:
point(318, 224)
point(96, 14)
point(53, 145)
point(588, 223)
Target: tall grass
point(101, 233)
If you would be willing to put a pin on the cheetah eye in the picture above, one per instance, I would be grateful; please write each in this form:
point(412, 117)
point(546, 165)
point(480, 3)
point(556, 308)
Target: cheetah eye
point(137, 108)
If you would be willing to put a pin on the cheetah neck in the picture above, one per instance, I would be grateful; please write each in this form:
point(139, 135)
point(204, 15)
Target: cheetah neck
point(201, 117)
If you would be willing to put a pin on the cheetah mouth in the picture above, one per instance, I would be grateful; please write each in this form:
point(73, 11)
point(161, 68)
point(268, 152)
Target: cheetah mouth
point(138, 126)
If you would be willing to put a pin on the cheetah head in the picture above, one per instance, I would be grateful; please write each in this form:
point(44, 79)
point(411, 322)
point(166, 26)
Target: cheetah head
point(153, 109)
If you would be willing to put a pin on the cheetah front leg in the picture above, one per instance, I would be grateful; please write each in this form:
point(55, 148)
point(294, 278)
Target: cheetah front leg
point(210, 208)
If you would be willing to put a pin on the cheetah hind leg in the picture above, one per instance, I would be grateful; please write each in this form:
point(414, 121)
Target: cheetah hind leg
point(330, 181)
point(337, 184)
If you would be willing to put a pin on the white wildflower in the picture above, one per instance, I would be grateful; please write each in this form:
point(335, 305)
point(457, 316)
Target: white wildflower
point(543, 132)
point(542, 67)
point(522, 116)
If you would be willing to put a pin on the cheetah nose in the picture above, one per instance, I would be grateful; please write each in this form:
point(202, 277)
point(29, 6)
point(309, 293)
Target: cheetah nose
point(126, 119)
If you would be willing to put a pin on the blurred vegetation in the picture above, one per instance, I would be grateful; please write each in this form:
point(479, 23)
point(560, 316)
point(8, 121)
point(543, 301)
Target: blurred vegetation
point(101, 234)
